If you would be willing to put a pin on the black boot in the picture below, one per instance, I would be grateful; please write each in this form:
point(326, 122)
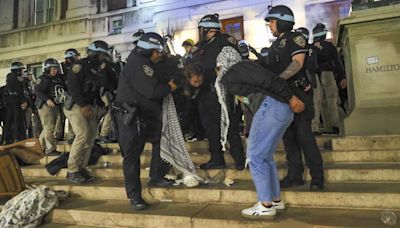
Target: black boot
point(86, 174)
point(76, 178)
point(160, 182)
point(288, 182)
point(138, 203)
point(317, 185)
point(213, 165)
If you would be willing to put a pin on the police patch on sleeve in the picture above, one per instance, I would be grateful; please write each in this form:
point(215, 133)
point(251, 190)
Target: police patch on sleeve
point(232, 40)
point(300, 40)
point(148, 71)
point(76, 68)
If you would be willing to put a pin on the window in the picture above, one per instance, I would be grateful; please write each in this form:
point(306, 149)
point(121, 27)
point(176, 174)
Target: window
point(64, 8)
point(45, 11)
point(36, 69)
point(116, 4)
point(116, 25)
point(15, 18)
point(233, 27)
point(344, 11)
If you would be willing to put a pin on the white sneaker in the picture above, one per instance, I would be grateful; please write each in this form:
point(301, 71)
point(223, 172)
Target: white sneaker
point(279, 206)
point(258, 211)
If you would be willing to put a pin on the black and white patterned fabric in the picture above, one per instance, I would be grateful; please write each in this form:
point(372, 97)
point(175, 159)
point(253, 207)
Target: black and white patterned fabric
point(173, 146)
point(225, 59)
point(28, 208)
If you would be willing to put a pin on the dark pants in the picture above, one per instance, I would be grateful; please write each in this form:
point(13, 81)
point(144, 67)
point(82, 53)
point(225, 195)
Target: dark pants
point(132, 144)
point(191, 122)
point(14, 125)
point(210, 114)
point(299, 138)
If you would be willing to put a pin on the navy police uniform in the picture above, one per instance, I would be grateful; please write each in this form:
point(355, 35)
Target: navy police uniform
point(14, 128)
point(140, 94)
point(298, 137)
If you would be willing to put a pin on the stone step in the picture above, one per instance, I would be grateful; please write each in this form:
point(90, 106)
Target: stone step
point(200, 157)
point(379, 142)
point(346, 172)
point(59, 225)
point(324, 142)
point(350, 195)
point(103, 213)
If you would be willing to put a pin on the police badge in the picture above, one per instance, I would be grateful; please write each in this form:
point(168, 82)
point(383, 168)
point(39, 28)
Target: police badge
point(103, 65)
point(148, 71)
point(282, 43)
point(300, 40)
point(76, 68)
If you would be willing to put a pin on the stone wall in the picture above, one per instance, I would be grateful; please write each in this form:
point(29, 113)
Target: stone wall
point(33, 44)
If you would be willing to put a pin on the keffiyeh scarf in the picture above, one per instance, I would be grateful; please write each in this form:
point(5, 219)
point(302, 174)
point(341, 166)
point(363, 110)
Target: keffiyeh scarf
point(173, 146)
point(225, 59)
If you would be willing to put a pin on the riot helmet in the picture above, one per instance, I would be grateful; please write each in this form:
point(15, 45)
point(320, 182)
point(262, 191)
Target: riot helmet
point(16, 66)
point(284, 17)
point(98, 47)
point(136, 36)
point(244, 48)
point(49, 63)
point(71, 53)
point(304, 32)
point(319, 32)
point(210, 21)
point(149, 42)
point(207, 23)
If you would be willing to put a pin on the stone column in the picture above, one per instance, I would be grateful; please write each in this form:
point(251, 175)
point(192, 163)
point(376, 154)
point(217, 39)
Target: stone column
point(371, 46)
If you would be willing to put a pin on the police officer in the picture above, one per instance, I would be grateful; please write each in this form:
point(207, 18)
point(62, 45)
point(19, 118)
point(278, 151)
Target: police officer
point(71, 55)
point(107, 95)
point(331, 73)
point(50, 94)
point(82, 107)
point(138, 114)
point(212, 41)
point(286, 58)
point(312, 68)
point(16, 103)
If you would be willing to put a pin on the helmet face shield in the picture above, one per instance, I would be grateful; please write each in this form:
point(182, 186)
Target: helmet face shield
point(210, 21)
point(17, 66)
point(151, 41)
point(280, 13)
point(50, 63)
point(99, 47)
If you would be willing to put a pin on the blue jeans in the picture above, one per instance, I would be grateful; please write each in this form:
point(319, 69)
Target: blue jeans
point(269, 125)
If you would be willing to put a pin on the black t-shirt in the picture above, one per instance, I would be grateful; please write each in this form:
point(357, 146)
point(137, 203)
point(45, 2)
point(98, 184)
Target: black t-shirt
point(283, 49)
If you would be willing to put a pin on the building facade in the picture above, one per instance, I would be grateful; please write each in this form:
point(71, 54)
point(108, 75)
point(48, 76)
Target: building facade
point(33, 30)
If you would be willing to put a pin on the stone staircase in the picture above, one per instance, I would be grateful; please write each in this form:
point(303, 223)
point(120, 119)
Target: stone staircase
point(362, 174)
